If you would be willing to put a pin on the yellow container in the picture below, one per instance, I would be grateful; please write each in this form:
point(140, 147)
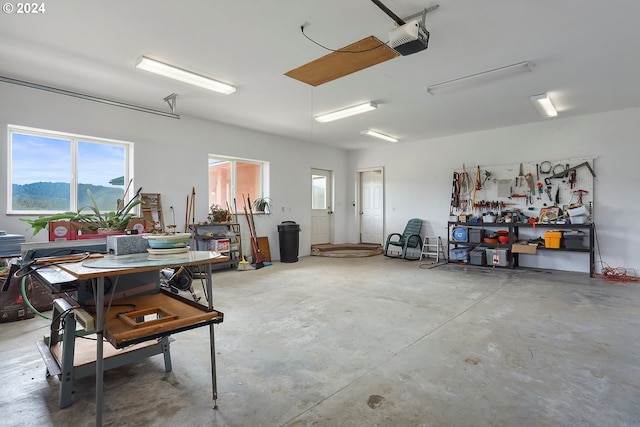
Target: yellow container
point(552, 239)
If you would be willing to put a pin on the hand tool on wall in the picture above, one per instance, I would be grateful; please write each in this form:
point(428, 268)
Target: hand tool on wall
point(580, 193)
point(455, 192)
point(548, 191)
point(540, 190)
point(565, 171)
point(572, 178)
point(477, 186)
point(529, 178)
point(545, 167)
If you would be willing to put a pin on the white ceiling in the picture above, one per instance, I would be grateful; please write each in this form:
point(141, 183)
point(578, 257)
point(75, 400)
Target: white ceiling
point(586, 55)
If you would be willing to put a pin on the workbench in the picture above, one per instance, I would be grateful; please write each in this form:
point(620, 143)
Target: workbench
point(139, 332)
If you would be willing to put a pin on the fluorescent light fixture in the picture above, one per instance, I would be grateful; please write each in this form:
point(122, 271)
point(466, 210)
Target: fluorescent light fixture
point(480, 78)
point(543, 104)
point(346, 112)
point(379, 135)
point(185, 76)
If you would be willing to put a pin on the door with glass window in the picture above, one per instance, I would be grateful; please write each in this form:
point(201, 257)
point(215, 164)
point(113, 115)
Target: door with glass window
point(321, 202)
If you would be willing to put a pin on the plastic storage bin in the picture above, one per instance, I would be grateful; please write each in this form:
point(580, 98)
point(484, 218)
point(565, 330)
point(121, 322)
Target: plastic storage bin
point(552, 239)
point(574, 240)
point(477, 257)
point(502, 257)
point(476, 235)
point(459, 254)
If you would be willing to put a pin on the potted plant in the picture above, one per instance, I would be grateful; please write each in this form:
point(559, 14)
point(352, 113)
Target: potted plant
point(103, 223)
point(217, 214)
point(262, 205)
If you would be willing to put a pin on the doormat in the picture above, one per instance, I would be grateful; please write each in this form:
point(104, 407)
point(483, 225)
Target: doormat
point(347, 250)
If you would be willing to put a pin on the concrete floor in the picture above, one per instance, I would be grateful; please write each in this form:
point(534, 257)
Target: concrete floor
point(369, 342)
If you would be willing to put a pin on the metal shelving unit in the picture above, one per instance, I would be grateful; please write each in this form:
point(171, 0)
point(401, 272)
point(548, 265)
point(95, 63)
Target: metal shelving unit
point(209, 237)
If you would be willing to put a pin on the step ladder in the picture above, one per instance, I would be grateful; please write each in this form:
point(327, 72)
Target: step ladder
point(432, 248)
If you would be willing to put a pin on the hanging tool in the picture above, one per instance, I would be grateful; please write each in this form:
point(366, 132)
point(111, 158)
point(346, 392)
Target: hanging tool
point(487, 174)
point(477, 186)
point(540, 190)
point(537, 172)
point(564, 172)
point(572, 178)
point(580, 193)
point(558, 195)
point(455, 191)
point(529, 178)
point(548, 191)
point(545, 167)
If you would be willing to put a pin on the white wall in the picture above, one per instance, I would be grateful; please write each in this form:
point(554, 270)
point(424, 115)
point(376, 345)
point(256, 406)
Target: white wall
point(418, 176)
point(171, 158)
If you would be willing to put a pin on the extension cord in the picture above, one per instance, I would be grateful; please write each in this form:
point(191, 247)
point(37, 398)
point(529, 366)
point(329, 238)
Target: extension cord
point(85, 319)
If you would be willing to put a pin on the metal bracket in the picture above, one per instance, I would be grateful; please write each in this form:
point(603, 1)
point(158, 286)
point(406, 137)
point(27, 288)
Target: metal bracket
point(171, 100)
point(423, 14)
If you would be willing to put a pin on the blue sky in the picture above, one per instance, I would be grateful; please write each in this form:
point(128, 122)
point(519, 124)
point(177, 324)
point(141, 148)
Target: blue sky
point(37, 158)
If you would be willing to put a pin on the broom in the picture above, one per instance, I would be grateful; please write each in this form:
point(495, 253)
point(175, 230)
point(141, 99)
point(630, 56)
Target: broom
point(244, 265)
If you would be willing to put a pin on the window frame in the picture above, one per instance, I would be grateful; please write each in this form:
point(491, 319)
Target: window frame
point(73, 167)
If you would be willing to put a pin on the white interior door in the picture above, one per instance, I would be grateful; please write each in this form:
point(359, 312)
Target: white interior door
point(371, 198)
point(321, 202)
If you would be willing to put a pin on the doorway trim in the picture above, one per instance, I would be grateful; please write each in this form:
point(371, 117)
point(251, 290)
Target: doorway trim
point(358, 200)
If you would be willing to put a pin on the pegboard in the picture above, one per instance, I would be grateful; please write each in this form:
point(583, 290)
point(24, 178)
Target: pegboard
point(526, 187)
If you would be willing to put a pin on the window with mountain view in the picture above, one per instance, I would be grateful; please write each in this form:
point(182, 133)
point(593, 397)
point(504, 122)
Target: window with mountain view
point(50, 172)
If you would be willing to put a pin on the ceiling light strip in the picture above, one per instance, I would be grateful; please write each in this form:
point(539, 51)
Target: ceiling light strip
point(346, 112)
point(379, 135)
point(479, 78)
point(184, 76)
point(543, 104)
point(87, 97)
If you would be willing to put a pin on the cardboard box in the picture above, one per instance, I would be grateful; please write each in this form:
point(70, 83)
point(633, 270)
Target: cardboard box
point(140, 225)
point(67, 230)
point(62, 230)
point(222, 245)
point(524, 248)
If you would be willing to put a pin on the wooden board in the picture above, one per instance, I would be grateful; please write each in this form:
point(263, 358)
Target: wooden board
point(119, 332)
point(355, 57)
point(263, 245)
point(85, 350)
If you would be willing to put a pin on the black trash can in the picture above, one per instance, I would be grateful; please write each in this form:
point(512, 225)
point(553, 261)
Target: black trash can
point(289, 238)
